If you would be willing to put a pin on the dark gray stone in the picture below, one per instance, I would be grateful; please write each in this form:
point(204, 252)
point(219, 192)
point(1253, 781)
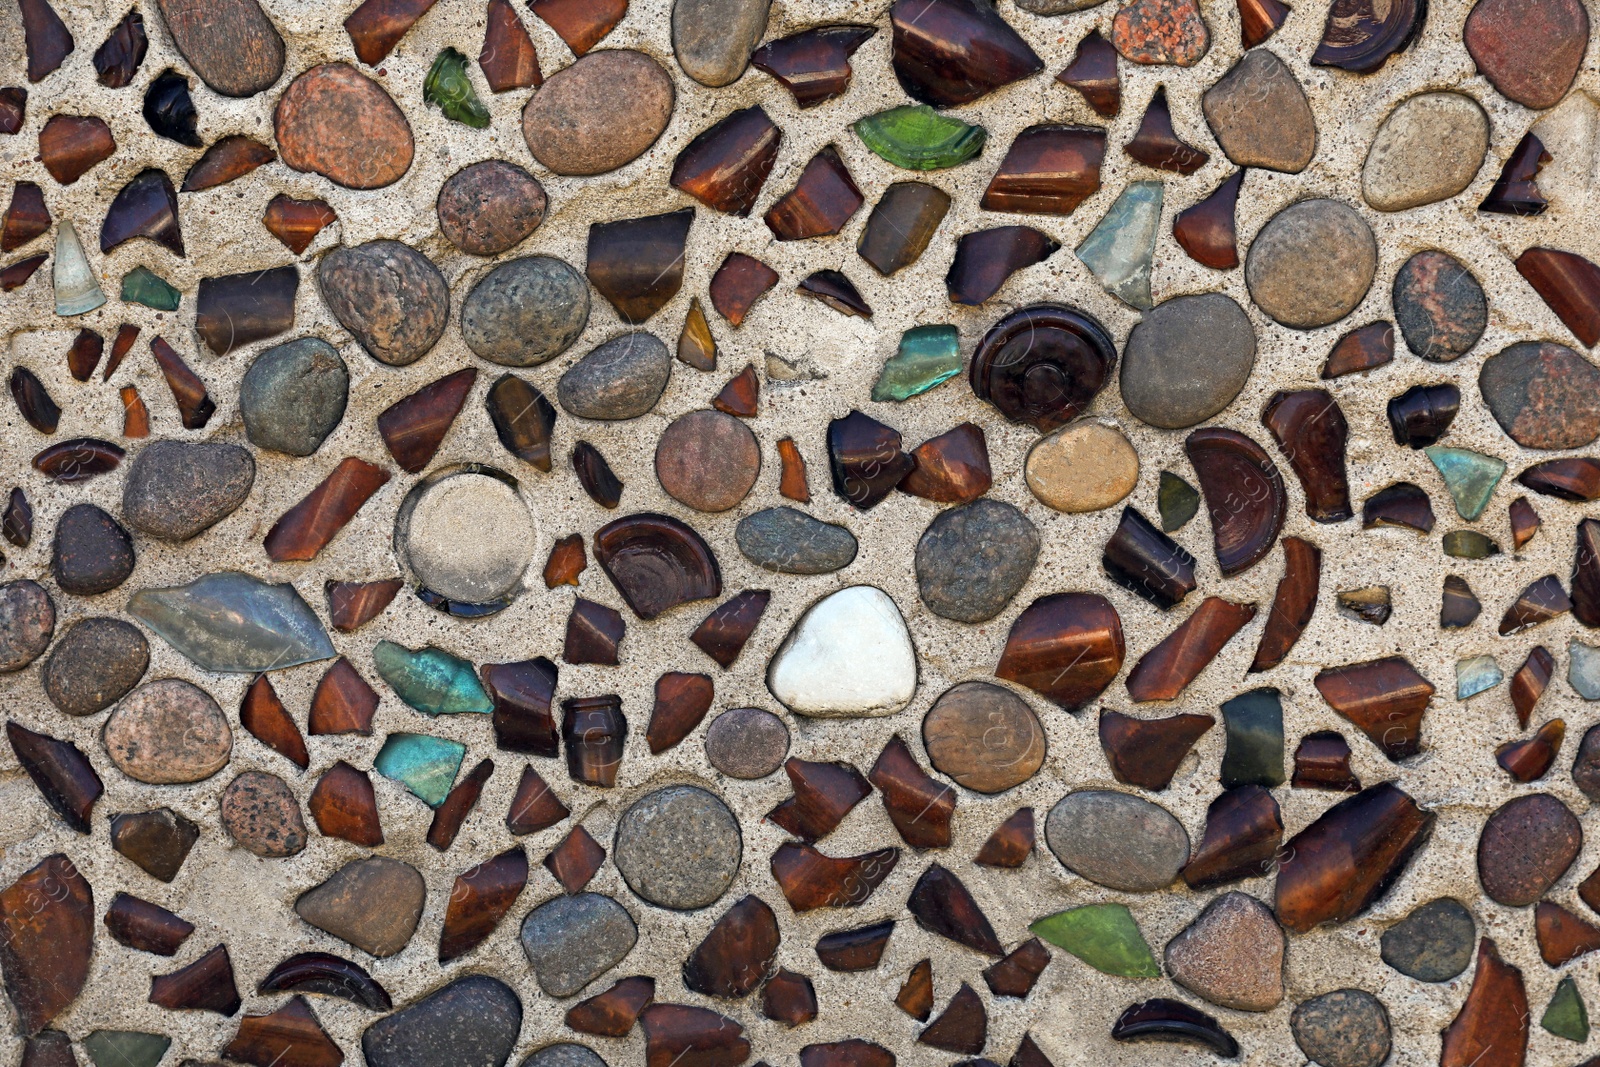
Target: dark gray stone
point(573, 940)
point(1117, 840)
point(792, 542)
point(294, 395)
point(1439, 306)
point(1187, 359)
point(1345, 1028)
point(621, 379)
point(747, 743)
point(1432, 944)
point(565, 1054)
point(91, 552)
point(678, 847)
point(389, 296)
point(96, 662)
point(27, 621)
point(1586, 767)
point(973, 559)
point(525, 312)
point(177, 489)
point(472, 1022)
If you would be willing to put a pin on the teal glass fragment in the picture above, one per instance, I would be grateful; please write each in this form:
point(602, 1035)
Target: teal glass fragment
point(424, 764)
point(1121, 248)
point(125, 1048)
point(1476, 675)
point(141, 286)
point(431, 679)
point(1254, 755)
point(917, 137)
point(1470, 477)
point(1566, 1015)
point(231, 622)
point(927, 356)
point(449, 88)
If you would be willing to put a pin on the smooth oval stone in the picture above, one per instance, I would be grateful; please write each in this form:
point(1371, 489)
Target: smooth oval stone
point(1427, 150)
point(1311, 264)
point(1543, 395)
point(294, 395)
point(1345, 1028)
point(94, 665)
point(678, 847)
point(564, 1054)
point(337, 122)
point(983, 736)
point(1187, 359)
point(1231, 955)
point(1432, 944)
point(472, 1022)
point(1117, 840)
point(490, 207)
point(1439, 306)
point(467, 536)
point(572, 940)
point(168, 732)
point(713, 39)
point(525, 312)
point(27, 621)
point(849, 655)
point(621, 379)
point(1530, 50)
point(747, 743)
point(91, 553)
point(263, 816)
point(1526, 845)
point(389, 296)
point(177, 489)
point(708, 460)
point(973, 559)
point(231, 44)
point(598, 114)
point(1085, 466)
point(791, 542)
point(343, 905)
point(1260, 115)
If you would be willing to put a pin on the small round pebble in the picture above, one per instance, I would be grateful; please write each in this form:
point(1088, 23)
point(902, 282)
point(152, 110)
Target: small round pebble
point(168, 732)
point(525, 312)
point(96, 662)
point(1311, 264)
point(713, 39)
point(1427, 150)
point(294, 395)
point(490, 207)
point(262, 816)
point(747, 743)
point(678, 847)
point(177, 489)
point(791, 542)
point(708, 460)
point(1345, 1028)
point(564, 1054)
point(621, 379)
point(599, 113)
point(91, 552)
point(983, 736)
point(1525, 847)
point(1117, 840)
point(1260, 115)
point(389, 296)
point(1432, 944)
point(467, 536)
point(1543, 395)
point(571, 941)
point(1187, 359)
point(1084, 466)
point(973, 559)
point(27, 621)
point(1439, 306)
point(1231, 955)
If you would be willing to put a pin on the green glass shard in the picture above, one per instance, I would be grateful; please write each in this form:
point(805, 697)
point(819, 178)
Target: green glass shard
point(141, 286)
point(1254, 755)
point(448, 86)
point(919, 138)
point(1583, 669)
point(927, 356)
point(76, 289)
point(1119, 251)
point(1104, 936)
point(1470, 477)
point(1476, 675)
point(1566, 1016)
point(431, 679)
point(425, 765)
point(125, 1048)
point(1177, 500)
point(1469, 544)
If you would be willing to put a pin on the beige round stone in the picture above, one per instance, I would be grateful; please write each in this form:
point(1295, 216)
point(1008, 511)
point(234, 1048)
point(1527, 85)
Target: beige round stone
point(983, 736)
point(1427, 150)
point(468, 537)
point(708, 460)
point(598, 114)
point(167, 733)
point(1312, 263)
point(1084, 466)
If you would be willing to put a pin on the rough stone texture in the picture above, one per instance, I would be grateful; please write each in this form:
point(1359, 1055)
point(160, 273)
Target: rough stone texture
point(27, 621)
point(342, 905)
point(294, 395)
point(678, 847)
point(570, 941)
point(1231, 955)
point(1084, 466)
point(262, 816)
point(599, 113)
point(96, 661)
point(1543, 395)
point(335, 121)
point(713, 39)
point(1428, 149)
point(747, 743)
point(525, 312)
point(472, 1022)
point(1117, 840)
point(168, 732)
point(1312, 264)
point(1528, 49)
point(489, 207)
point(1260, 116)
point(176, 490)
point(1432, 944)
point(972, 560)
point(1345, 1028)
point(389, 296)
point(708, 460)
point(791, 542)
point(1440, 307)
point(621, 379)
point(1187, 359)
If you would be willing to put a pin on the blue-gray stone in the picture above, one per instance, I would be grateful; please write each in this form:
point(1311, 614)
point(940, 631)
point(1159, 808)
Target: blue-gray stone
point(792, 542)
point(294, 395)
point(621, 379)
point(564, 1054)
point(1583, 669)
point(573, 940)
point(472, 1022)
point(231, 622)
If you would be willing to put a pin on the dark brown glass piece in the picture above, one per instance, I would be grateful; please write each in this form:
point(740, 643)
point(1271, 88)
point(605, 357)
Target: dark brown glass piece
point(71, 145)
point(523, 692)
point(789, 998)
point(820, 203)
point(1401, 504)
point(951, 52)
point(228, 159)
point(942, 905)
point(194, 403)
point(580, 23)
point(919, 806)
point(46, 37)
point(1491, 1030)
point(157, 842)
point(814, 65)
point(656, 563)
point(1206, 230)
point(824, 793)
point(1244, 830)
point(17, 274)
point(1541, 601)
point(297, 222)
point(1011, 842)
point(678, 1035)
point(534, 807)
point(1525, 522)
point(377, 26)
point(1043, 365)
point(985, 259)
point(1530, 759)
point(117, 60)
point(567, 561)
point(1576, 478)
point(329, 975)
point(1293, 604)
point(1049, 169)
point(77, 460)
point(865, 459)
point(1322, 761)
point(508, 58)
point(1065, 646)
point(1586, 575)
point(916, 993)
point(135, 416)
point(269, 722)
point(810, 880)
point(596, 476)
point(1166, 670)
point(13, 108)
point(27, 217)
point(288, 1037)
point(901, 225)
point(1516, 191)
point(239, 309)
point(1310, 430)
point(48, 916)
point(344, 805)
point(33, 400)
point(1093, 72)
point(962, 1027)
point(146, 927)
point(352, 605)
point(726, 164)
point(835, 290)
point(1386, 698)
point(1143, 560)
point(860, 949)
point(1170, 1021)
point(17, 520)
point(1422, 414)
point(414, 426)
point(741, 396)
point(127, 334)
point(736, 953)
point(1147, 752)
point(1156, 144)
point(63, 774)
point(637, 264)
point(574, 861)
point(205, 985)
point(458, 804)
point(1361, 34)
point(1259, 20)
point(84, 355)
point(682, 701)
point(1568, 283)
point(343, 702)
point(479, 899)
point(1015, 975)
point(594, 732)
point(1458, 607)
point(1360, 350)
point(738, 284)
point(1346, 860)
point(952, 468)
point(723, 633)
point(1530, 681)
point(1563, 936)
point(1244, 496)
point(305, 529)
point(523, 419)
point(613, 1012)
point(851, 1053)
point(169, 110)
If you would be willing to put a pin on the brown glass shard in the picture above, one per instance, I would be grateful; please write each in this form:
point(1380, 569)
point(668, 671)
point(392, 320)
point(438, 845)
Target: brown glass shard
point(789, 998)
point(681, 703)
point(1386, 698)
point(901, 225)
point(1259, 20)
point(288, 1037)
point(919, 806)
point(824, 793)
point(859, 949)
point(48, 916)
point(1563, 936)
point(951, 52)
point(1361, 34)
point(1065, 646)
point(1529, 760)
point(1576, 478)
point(865, 459)
point(328, 975)
point(835, 290)
point(13, 108)
point(207, 984)
point(810, 880)
point(594, 733)
point(656, 562)
point(1361, 350)
point(34, 401)
point(1491, 1030)
point(613, 1012)
point(508, 58)
point(1206, 230)
point(1568, 283)
point(135, 416)
point(414, 426)
point(305, 529)
point(637, 264)
point(1525, 521)
point(916, 993)
point(1157, 144)
point(1541, 601)
point(820, 203)
point(479, 899)
point(1422, 414)
point(851, 1053)
point(735, 955)
point(723, 633)
point(78, 460)
point(1010, 844)
point(725, 166)
point(1165, 1020)
point(1401, 504)
point(458, 804)
point(26, 217)
point(269, 722)
point(1322, 761)
point(962, 1027)
point(952, 468)
point(17, 274)
point(146, 927)
point(678, 1035)
point(738, 284)
point(1049, 169)
point(228, 159)
point(1243, 835)
point(575, 860)
point(118, 58)
point(127, 334)
point(146, 207)
point(1166, 670)
point(534, 806)
point(344, 806)
point(71, 145)
point(1147, 752)
point(1244, 495)
point(1015, 975)
point(239, 309)
point(157, 842)
point(595, 475)
point(985, 259)
point(352, 605)
point(62, 773)
point(194, 403)
point(792, 484)
point(1093, 72)
point(47, 40)
point(580, 23)
point(16, 521)
point(1143, 560)
point(942, 905)
point(1516, 192)
point(522, 693)
point(696, 346)
point(1311, 432)
point(297, 222)
point(567, 561)
point(1293, 605)
point(377, 26)
point(343, 702)
point(1458, 606)
point(1530, 681)
point(1586, 574)
point(741, 396)
point(84, 355)
point(814, 65)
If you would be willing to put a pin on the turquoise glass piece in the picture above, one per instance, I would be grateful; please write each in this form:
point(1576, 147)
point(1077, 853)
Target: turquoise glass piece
point(1476, 675)
point(1105, 936)
point(917, 137)
point(1583, 669)
point(431, 679)
point(125, 1048)
point(1177, 500)
point(927, 356)
point(449, 88)
point(231, 622)
point(1470, 477)
point(1254, 755)
point(1566, 1016)
point(423, 764)
point(1120, 250)
point(141, 286)
point(76, 289)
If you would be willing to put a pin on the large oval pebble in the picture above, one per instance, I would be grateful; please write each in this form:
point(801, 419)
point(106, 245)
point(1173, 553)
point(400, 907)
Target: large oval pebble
point(678, 847)
point(177, 489)
point(1117, 840)
point(390, 296)
point(337, 122)
point(1543, 395)
point(294, 395)
point(1311, 263)
point(168, 732)
point(598, 114)
point(972, 560)
point(713, 39)
point(525, 312)
point(1187, 359)
point(983, 736)
point(621, 379)
point(488, 207)
point(1084, 466)
point(472, 1022)
point(94, 665)
point(850, 654)
point(571, 941)
point(708, 460)
point(1428, 149)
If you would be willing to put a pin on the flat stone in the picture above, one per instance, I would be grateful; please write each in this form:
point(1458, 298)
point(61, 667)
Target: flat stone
point(27, 622)
point(294, 395)
point(1187, 359)
point(1056, 7)
point(94, 664)
point(177, 489)
point(791, 542)
point(1345, 1028)
point(335, 121)
point(1311, 264)
point(713, 39)
point(984, 736)
point(525, 312)
point(1530, 50)
point(91, 552)
point(1439, 306)
point(346, 905)
point(572, 940)
point(598, 114)
point(231, 44)
point(472, 1022)
point(262, 815)
point(747, 743)
point(973, 559)
point(1525, 846)
point(849, 655)
point(468, 537)
point(1231, 955)
point(490, 207)
point(678, 847)
point(1543, 395)
point(564, 1054)
point(168, 732)
point(1117, 840)
point(621, 379)
point(708, 460)
point(1260, 116)
point(1084, 466)
point(1432, 944)
point(389, 296)
point(1427, 150)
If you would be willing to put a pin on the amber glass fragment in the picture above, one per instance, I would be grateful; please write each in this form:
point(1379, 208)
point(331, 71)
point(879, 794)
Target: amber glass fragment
point(986, 258)
point(916, 993)
point(1293, 604)
point(723, 633)
point(942, 905)
point(1563, 936)
point(1206, 230)
point(352, 605)
point(1011, 842)
point(458, 804)
point(1516, 191)
point(736, 953)
point(580, 23)
point(1569, 284)
point(157, 842)
point(1143, 560)
point(951, 52)
point(835, 290)
point(1576, 478)
point(126, 335)
point(1147, 752)
point(1322, 761)
point(344, 805)
point(1167, 1020)
point(343, 702)
point(1244, 830)
point(1361, 350)
point(851, 1053)
point(70, 145)
point(238, 309)
point(1530, 681)
point(84, 355)
point(574, 861)
point(1458, 607)
point(741, 396)
point(205, 985)
point(1157, 144)
point(479, 899)
point(26, 217)
point(1541, 601)
point(194, 403)
point(738, 284)
point(810, 880)
point(725, 166)
point(297, 222)
point(1166, 670)
point(814, 64)
point(901, 225)
point(63, 774)
point(534, 806)
point(1244, 495)
point(230, 158)
point(656, 562)
point(146, 927)
point(16, 522)
point(169, 110)
point(1065, 646)
point(1361, 34)
point(17, 274)
point(613, 1012)
point(77, 460)
point(377, 26)
point(48, 916)
point(789, 998)
point(1524, 522)
point(1311, 432)
point(33, 400)
point(594, 633)
point(47, 40)
point(595, 475)
point(1386, 698)
point(567, 561)
point(1259, 20)
point(288, 1037)
point(1049, 169)
point(919, 806)
point(522, 693)
point(696, 346)
point(865, 460)
point(414, 426)
point(305, 529)
point(1093, 72)
point(269, 722)
point(593, 732)
point(860, 949)
point(952, 468)
point(1586, 574)
point(637, 264)
point(792, 481)
point(328, 975)
point(678, 1035)
point(508, 58)
point(1401, 504)
point(963, 1027)
point(824, 793)
point(682, 701)
point(821, 202)
point(1530, 759)
point(1491, 1030)
point(1015, 975)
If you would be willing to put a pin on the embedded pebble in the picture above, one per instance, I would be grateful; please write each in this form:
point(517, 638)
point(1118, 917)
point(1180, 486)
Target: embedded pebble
point(1187, 359)
point(678, 847)
point(1161, 31)
point(342, 905)
point(1543, 395)
point(168, 732)
point(27, 622)
point(472, 1022)
point(177, 489)
point(96, 662)
point(849, 655)
point(713, 39)
point(791, 542)
point(564, 1054)
point(335, 121)
point(525, 312)
point(1345, 1028)
point(1586, 766)
point(294, 395)
point(1231, 955)
point(91, 553)
point(1260, 116)
point(490, 207)
point(468, 537)
point(708, 460)
point(262, 815)
point(572, 940)
point(598, 114)
point(1439, 306)
point(747, 743)
point(1428, 149)
point(973, 559)
point(985, 737)
point(1530, 50)
point(621, 379)
point(1084, 466)
point(1525, 846)
point(389, 296)
point(1432, 944)
point(1117, 840)
point(1311, 264)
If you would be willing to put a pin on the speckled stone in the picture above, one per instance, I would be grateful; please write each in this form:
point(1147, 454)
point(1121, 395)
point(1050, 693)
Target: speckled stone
point(678, 847)
point(564, 1054)
point(1117, 840)
point(525, 312)
point(168, 732)
point(1543, 395)
point(472, 1022)
point(1345, 1028)
point(177, 489)
point(96, 662)
point(294, 395)
point(390, 297)
point(747, 743)
point(1231, 955)
point(263, 816)
point(1311, 264)
point(708, 460)
point(973, 559)
point(1525, 846)
point(572, 940)
point(1428, 149)
point(1084, 466)
point(342, 905)
point(621, 379)
point(91, 552)
point(1432, 944)
point(1161, 31)
point(1260, 116)
point(1439, 306)
point(598, 114)
point(1187, 359)
point(1586, 765)
point(713, 39)
point(27, 621)
point(490, 207)
point(791, 542)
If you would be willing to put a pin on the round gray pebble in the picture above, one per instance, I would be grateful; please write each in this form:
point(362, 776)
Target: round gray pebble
point(792, 542)
point(747, 743)
point(973, 559)
point(1432, 944)
point(525, 312)
point(1117, 840)
point(573, 940)
point(1187, 359)
point(1345, 1028)
point(621, 379)
point(565, 1054)
point(94, 665)
point(294, 395)
point(177, 489)
point(27, 621)
point(678, 847)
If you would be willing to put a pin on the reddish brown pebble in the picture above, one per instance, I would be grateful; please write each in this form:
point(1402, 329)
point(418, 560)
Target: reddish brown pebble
point(580, 23)
point(1093, 72)
point(262, 816)
point(852, 1053)
point(25, 218)
point(725, 166)
point(135, 416)
point(449, 816)
point(1015, 975)
point(1491, 1030)
point(1525, 847)
point(194, 402)
point(1361, 350)
point(1386, 698)
point(789, 998)
point(71, 145)
point(1166, 670)
point(305, 529)
point(508, 58)
point(1147, 752)
point(288, 1037)
point(1322, 761)
point(207, 984)
point(916, 992)
point(736, 952)
point(1569, 284)
point(230, 158)
point(1563, 936)
point(678, 1035)
point(738, 283)
point(963, 1026)
point(490, 207)
point(147, 927)
point(344, 805)
point(792, 482)
point(534, 806)
point(1244, 496)
point(613, 1012)
point(231, 44)
point(707, 460)
point(741, 394)
point(598, 114)
point(821, 202)
point(334, 121)
point(952, 468)
point(1530, 50)
point(986, 259)
point(859, 949)
point(567, 561)
point(78, 460)
point(62, 773)
point(574, 861)
point(919, 806)
point(1065, 646)
point(1010, 844)
point(479, 899)
point(1244, 830)
point(414, 426)
point(824, 793)
point(1157, 144)
point(941, 904)
point(723, 633)
point(352, 605)
point(1161, 31)
point(811, 880)
point(637, 264)
point(297, 222)
point(343, 702)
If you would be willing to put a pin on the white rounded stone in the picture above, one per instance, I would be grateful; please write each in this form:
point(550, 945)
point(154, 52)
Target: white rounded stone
point(849, 656)
point(469, 537)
